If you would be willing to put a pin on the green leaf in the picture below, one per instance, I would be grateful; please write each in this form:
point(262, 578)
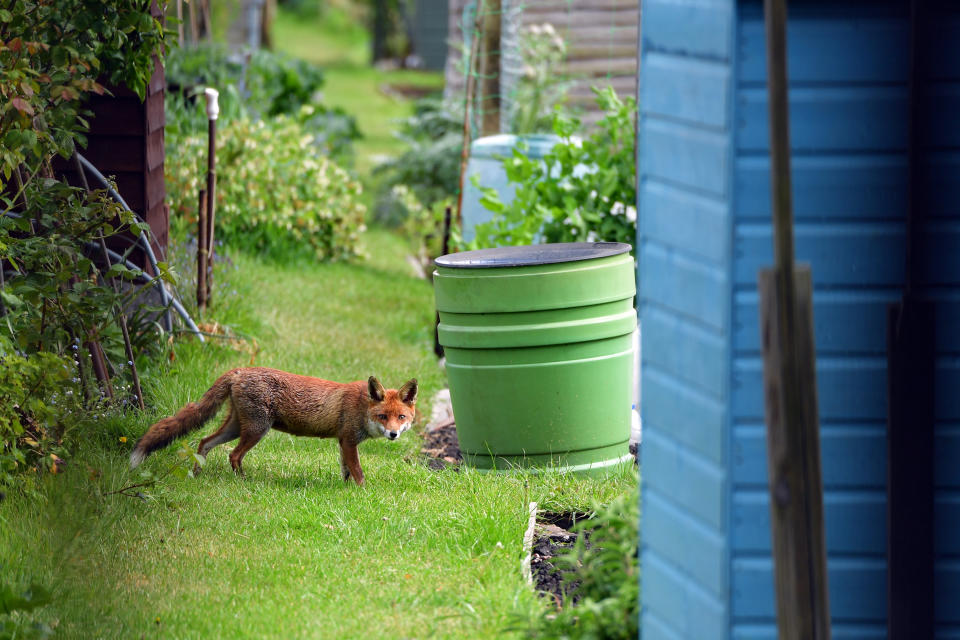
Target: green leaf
point(11, 299)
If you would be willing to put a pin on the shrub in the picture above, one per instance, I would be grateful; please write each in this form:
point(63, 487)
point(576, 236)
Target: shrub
point(276, 190)
point(541, 86)
point(604, 577)
point(555, 200)
point(430, 168)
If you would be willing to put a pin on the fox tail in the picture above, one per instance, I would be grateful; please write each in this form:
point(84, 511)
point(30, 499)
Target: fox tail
point(190, 417)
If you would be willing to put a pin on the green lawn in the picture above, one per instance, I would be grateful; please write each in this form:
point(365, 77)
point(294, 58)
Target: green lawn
point(341, 47)
point(291, 551)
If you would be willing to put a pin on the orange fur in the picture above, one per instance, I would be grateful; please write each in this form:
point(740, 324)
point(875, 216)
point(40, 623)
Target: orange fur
point(261, 399)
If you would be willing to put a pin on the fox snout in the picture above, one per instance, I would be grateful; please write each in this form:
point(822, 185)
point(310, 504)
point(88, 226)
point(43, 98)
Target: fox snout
point(393, 435)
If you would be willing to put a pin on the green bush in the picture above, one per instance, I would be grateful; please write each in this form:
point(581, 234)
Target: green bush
point(430, 168)
point(276, 190)
point(555, 201)
point(604, 577)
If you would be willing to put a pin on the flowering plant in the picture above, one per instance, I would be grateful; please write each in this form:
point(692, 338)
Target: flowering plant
point(541, 85)
point(276, 189)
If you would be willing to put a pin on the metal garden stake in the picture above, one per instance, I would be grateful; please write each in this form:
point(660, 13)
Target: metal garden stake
point(213, 110)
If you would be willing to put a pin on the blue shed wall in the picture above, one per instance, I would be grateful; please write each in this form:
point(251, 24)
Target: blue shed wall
point(684, 238)
point(940, 281)
point(849, 116)
point(704, 231)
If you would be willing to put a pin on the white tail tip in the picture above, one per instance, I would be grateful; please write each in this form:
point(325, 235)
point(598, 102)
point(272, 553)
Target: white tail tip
point(136, 457)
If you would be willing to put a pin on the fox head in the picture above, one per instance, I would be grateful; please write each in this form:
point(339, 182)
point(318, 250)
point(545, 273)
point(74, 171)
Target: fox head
point(391, 411)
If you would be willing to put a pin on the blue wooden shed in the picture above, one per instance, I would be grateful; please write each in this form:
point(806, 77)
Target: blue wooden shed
point(704, 231)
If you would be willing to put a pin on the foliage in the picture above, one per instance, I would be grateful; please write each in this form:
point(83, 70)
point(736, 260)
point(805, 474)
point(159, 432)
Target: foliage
point(423, 227)
point(52, 54)
point(580, 191)
point(54, 301)
point(260, 84)
point(541, 86)
point(430, 168)
point(604, 576)
point(40, 400)
point(14, 604)
point(270, 83)
point(276, 190)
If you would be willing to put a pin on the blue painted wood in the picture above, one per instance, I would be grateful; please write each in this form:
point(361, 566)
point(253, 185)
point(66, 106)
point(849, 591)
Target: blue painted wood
point(684, 286)
point(859, 45)
point(848, 389)
point(685, 221)
point(947, 399)
point(946, 580)
point(674, 597)
point(686, 351)
point(685, 478)
point(686, 89)
point(842, 254)
point(653, 628)
point(687, 543)
point(857, 589)
point(939, 185)
point(847, 321)
point(692, 158)
point(696, 29)
point(855, 522)
point(827, 187)
point(939, 128)
point(693, 419)
point(946, 456)
point(849, 452)
point(829, 119)
point(941, 261)
point(839, 631)
point(947, 522)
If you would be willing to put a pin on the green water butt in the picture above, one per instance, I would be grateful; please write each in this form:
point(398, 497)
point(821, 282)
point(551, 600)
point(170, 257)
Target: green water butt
point(539, 353)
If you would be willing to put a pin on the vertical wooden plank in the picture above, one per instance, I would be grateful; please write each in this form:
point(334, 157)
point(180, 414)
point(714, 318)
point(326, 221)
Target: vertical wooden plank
point(910, 455)
point(490, 69)
point(793, 449)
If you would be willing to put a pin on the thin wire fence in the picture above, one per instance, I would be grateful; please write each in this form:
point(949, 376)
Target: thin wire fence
point(520, 57)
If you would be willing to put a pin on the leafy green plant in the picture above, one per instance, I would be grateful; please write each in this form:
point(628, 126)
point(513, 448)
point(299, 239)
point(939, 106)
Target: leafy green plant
point(603, 576)
point(423, 226)
point(430, 168)
point(55, 302)
point(580, 191)
point(541, 86)
point(276, 190)
point(14, 604)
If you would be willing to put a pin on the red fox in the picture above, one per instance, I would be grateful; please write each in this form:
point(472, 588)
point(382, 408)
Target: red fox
point(262, 398)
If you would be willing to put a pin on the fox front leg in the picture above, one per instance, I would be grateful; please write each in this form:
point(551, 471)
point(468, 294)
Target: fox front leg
point(350, 462)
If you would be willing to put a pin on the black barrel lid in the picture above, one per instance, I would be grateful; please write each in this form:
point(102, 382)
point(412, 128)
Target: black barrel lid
point(530, 255)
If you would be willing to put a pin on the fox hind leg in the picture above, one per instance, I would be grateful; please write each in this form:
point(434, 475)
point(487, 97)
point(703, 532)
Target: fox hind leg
point(229, 430)
point(251, 432)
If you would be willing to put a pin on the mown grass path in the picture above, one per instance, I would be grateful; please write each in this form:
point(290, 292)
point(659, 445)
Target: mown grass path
point(291, 551)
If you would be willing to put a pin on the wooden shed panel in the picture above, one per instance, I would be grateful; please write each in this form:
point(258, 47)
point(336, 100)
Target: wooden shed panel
point(154, 150)
point(848, 321)
point(156, 118)
point(693, 419)
point(693, 355)
point(685, 221)
point(847, 388)
point(695, 159)
point(827, 119)
point(849, 47)
point(688, 27)
point(694, 91)
point(834, 187)
point(857, 589)
point(156, 188)
point(116, 154)
point(855, 521)
point(686, 287)
point(850, 451)
point(689, 610)
point(688, 544)
point(116, 116)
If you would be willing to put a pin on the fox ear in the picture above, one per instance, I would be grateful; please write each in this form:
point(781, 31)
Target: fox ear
point(408, 392)
point(375, 389)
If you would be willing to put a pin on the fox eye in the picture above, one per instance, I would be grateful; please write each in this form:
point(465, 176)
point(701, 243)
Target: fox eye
point(402, 416)
point(382, 416)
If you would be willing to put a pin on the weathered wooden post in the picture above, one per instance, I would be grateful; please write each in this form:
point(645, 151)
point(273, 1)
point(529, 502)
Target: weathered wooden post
point(202, 251)
point(790, 391)
point(490, 69)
